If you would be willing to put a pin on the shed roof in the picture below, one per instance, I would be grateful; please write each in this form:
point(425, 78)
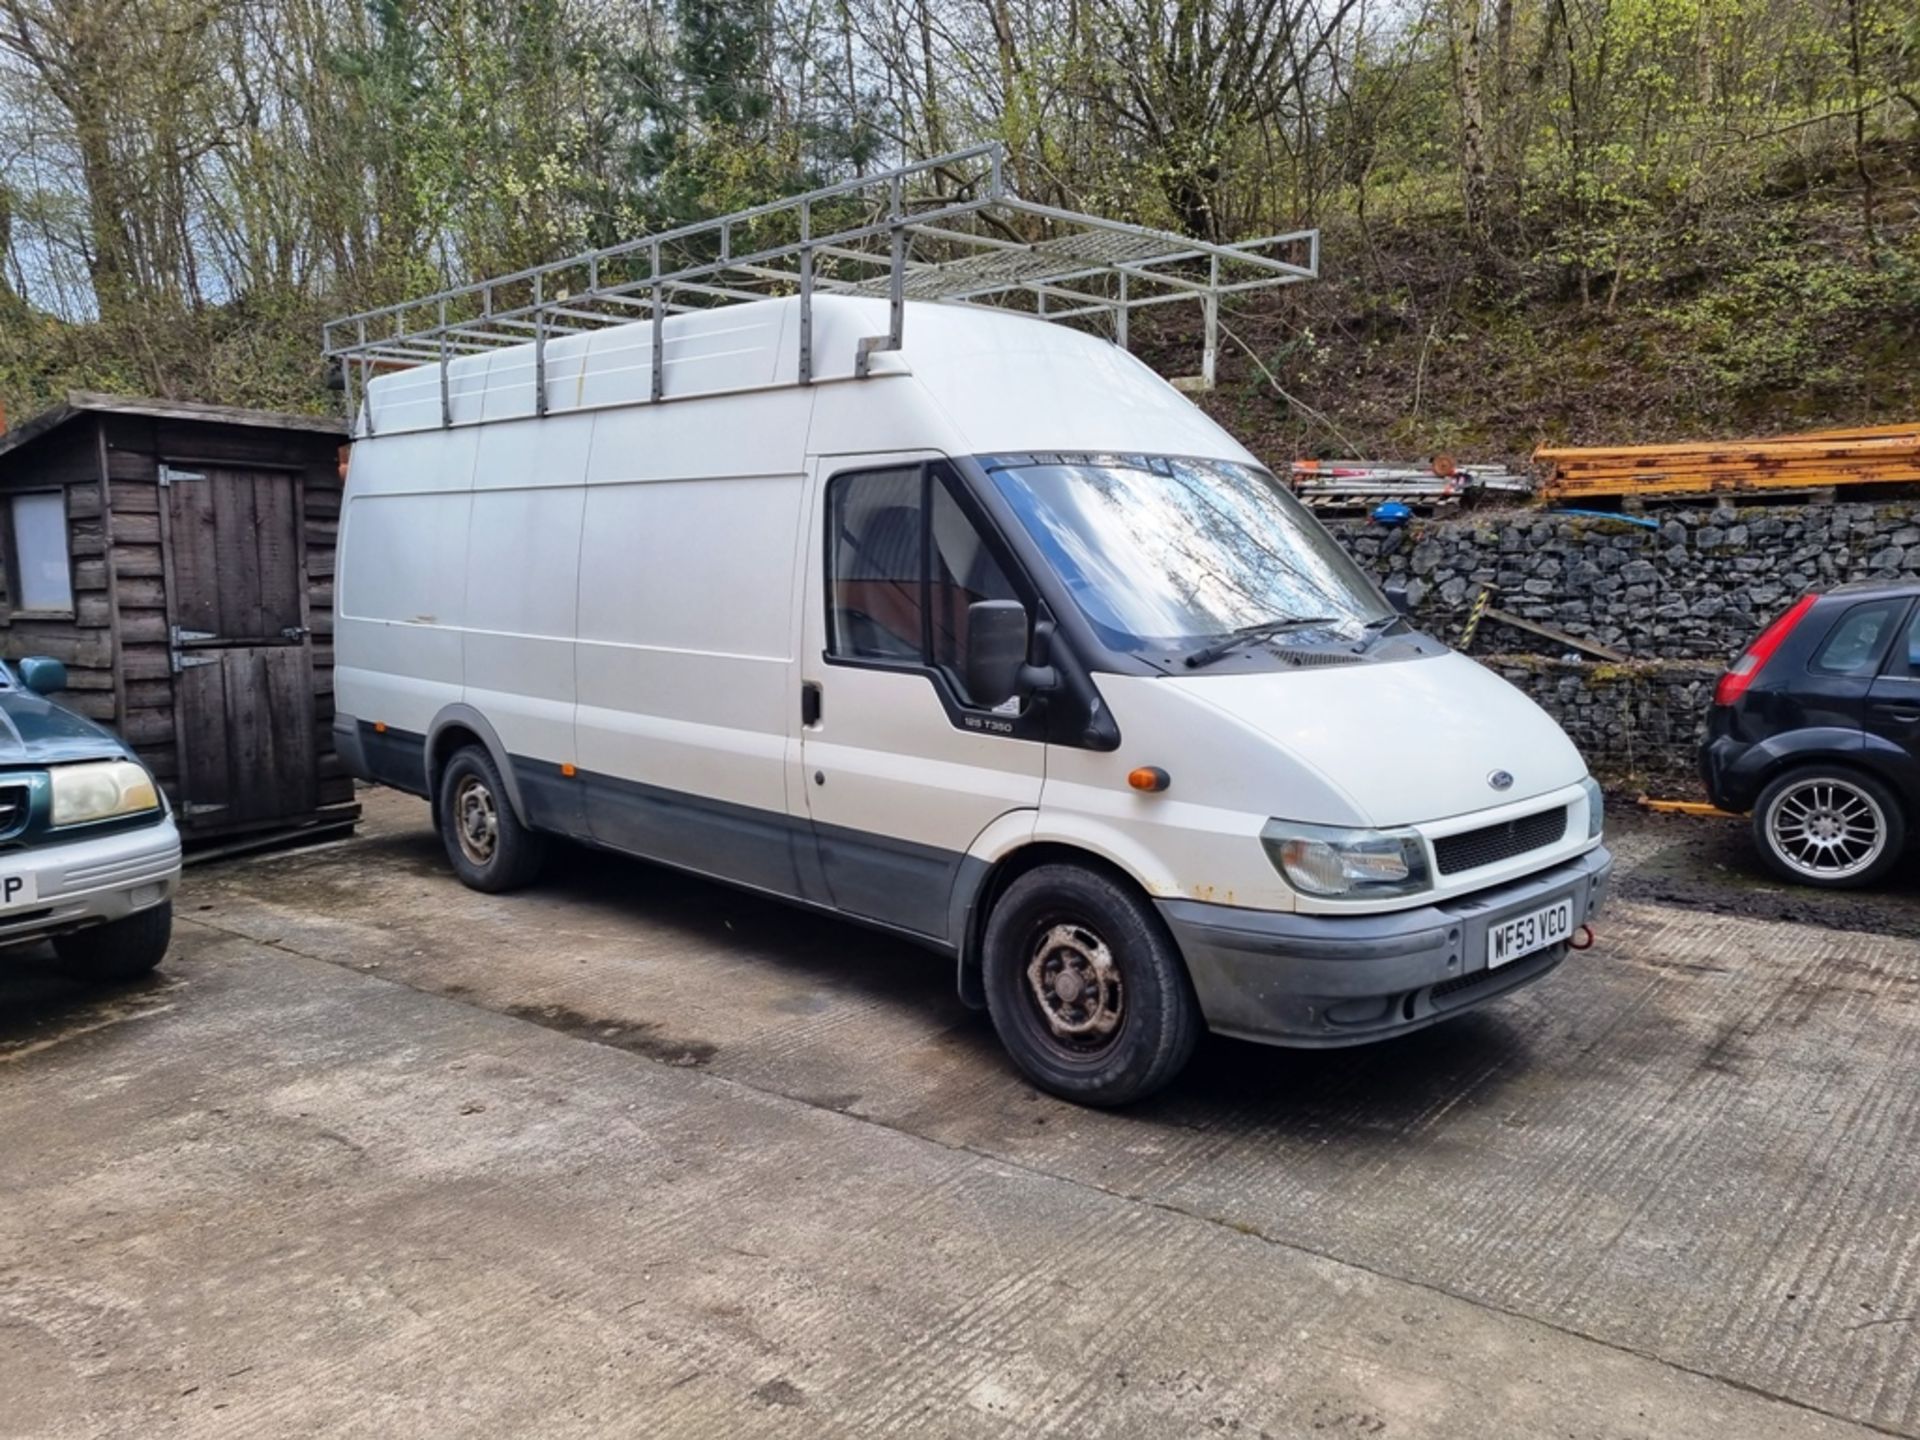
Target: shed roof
point(89, 402)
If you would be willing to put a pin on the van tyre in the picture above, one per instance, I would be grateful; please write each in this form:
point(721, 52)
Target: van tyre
point(123, 949)
point(489, 847)
point(1086, 988)
point(1830, 827)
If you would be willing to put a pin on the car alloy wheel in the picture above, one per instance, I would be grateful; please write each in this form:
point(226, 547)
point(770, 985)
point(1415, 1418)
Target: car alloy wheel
point(1826, 828)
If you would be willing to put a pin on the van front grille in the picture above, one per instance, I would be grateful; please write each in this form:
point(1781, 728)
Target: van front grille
point(1491, 844)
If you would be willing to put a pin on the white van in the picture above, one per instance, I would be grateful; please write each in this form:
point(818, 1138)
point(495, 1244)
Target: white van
point(1005, 648)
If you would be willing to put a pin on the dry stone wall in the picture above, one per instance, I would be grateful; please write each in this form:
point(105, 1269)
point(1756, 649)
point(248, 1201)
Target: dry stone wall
point(1679, 600)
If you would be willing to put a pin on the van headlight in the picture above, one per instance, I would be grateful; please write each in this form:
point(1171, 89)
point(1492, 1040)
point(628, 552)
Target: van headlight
point(101, 790)
point(1347, 864)
point(1596, 807)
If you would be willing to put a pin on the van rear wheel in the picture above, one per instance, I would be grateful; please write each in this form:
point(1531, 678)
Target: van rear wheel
point(1086, 989)
point(489, 847)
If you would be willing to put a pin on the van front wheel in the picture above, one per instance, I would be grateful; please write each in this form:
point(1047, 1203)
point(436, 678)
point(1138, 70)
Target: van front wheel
point(1086, 988)
point(489, 847)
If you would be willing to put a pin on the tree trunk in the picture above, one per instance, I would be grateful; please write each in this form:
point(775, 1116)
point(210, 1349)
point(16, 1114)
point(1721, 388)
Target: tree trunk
point(1507, 147)
point(936, 131)
point(7, 297)
point(1474, 170)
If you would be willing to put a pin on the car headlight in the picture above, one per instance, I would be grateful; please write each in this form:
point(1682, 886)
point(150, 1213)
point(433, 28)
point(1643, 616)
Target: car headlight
point(101, 790)
point(1596, 807)
point(1347, 864)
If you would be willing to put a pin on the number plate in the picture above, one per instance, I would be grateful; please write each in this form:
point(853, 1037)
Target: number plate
point(1524, 934)
point(18, 890)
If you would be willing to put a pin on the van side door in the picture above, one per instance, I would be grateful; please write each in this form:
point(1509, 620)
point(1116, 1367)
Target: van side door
point(900, 768)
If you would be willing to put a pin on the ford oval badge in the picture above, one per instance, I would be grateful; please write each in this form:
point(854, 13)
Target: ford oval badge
point(1500, 780)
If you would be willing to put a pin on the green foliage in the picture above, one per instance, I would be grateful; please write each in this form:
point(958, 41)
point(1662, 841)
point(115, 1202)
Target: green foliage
point(1790, 321)
point(1694, 214)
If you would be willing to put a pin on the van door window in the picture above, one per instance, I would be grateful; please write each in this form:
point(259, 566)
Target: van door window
point(906, 563)
point(875, 607)
point(960, 570)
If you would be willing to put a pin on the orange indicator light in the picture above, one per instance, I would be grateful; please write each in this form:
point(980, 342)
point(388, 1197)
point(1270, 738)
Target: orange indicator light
point(1150, 778)
point(567, 770)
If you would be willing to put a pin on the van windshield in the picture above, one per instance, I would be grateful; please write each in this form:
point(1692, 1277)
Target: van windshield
point(1163, 553)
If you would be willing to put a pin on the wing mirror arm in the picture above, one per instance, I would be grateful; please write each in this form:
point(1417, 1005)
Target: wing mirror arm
point(1038, 675)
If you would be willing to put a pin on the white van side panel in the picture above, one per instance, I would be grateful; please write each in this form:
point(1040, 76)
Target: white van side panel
point(759, 434)
point(686, 645)
point(688, 691)
point(732, 348)
point(511, 375)
point(410, 400)
point(401, 592)
point(522, 582)
point(523, 562)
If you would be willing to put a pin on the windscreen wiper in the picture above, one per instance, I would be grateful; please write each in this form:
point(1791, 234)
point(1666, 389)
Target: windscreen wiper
point(1248, 634)
point(1381, 628)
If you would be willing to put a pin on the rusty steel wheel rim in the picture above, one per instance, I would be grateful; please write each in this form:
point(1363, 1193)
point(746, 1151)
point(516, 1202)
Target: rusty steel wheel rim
point(1076, 986)
point(476, 821)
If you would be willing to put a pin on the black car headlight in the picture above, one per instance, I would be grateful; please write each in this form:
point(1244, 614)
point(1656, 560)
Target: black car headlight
point(1347, 864)
point(101, 790)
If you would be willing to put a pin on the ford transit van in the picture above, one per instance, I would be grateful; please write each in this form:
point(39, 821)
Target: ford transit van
point(993, 641)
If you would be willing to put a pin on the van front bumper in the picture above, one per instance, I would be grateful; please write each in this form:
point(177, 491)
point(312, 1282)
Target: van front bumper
point(88, 882)
point(1326, 980)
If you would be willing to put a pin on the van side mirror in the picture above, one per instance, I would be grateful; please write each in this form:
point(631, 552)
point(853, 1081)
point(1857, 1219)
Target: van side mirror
point(1398, 598)
point(997, 668)
point(42, 674)
point(996, 651)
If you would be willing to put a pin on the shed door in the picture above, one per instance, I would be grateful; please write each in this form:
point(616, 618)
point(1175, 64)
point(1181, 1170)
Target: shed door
point(242, 663)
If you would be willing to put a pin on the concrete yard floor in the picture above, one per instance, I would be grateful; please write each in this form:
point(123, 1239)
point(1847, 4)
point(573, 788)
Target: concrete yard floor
point(630, 1153)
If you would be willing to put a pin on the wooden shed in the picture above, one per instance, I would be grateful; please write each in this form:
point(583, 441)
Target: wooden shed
point(179, 559)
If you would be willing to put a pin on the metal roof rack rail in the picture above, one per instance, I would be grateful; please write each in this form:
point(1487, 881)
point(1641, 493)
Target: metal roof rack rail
point(947, 229)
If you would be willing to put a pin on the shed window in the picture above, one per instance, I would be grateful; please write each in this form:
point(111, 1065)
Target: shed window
point(42, 579)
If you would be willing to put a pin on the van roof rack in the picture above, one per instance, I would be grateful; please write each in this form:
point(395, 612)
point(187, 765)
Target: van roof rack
point(947, 229)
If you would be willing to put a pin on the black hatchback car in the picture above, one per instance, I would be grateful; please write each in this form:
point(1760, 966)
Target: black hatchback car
point(1816, 730)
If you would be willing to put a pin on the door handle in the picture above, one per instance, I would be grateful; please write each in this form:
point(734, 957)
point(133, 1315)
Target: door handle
point(1897, 712)
point(810, 703)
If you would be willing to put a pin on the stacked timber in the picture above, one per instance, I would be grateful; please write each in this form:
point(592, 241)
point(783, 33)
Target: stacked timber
point(1813, 460)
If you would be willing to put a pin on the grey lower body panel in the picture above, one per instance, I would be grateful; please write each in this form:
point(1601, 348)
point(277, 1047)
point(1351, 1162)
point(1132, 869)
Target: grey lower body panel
point(389, 756)
point(920, 891)
point(1317, 980)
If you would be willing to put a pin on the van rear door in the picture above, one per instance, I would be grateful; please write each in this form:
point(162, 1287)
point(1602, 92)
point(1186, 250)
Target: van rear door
point(901, 771)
